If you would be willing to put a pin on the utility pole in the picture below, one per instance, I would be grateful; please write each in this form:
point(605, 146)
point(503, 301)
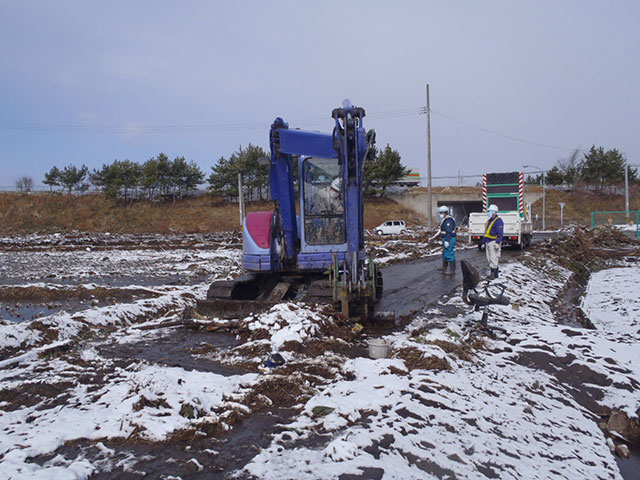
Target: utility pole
point(544, 201)
point(241, 200)
point(626, 190)
point(429, 160)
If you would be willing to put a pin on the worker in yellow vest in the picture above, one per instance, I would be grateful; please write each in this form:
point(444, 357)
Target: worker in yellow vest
point(493, 231)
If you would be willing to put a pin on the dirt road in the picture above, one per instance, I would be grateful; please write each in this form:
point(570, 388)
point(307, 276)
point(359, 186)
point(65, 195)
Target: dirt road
point(409, 287)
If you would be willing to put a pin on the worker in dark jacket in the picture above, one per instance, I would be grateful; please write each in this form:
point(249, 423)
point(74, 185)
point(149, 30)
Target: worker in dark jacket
point(448, 237)
point(494, 230)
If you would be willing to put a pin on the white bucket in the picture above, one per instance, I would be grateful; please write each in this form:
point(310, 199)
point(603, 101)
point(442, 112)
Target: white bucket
point(378, 348)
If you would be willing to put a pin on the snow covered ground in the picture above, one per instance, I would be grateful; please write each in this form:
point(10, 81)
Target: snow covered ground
point(449, 402)
point(508, 413)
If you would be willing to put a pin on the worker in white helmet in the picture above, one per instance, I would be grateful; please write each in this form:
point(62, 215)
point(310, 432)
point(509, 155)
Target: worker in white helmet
point(324, 203)
point(448, 237)
point(494, 230)
point(329, 199)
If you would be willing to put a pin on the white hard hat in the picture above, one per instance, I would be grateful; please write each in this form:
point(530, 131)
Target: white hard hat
point(443, 209)
point(335, 184)
point(493, 208)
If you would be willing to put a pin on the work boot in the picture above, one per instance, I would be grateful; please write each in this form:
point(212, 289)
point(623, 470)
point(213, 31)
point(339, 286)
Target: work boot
point(494, 273)
point(443, 267)
point(451, 268)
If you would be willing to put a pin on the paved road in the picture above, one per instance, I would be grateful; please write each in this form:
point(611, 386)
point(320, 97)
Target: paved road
point(409, 287)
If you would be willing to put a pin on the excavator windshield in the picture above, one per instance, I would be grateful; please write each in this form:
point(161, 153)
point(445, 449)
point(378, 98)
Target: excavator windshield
point(323, 202)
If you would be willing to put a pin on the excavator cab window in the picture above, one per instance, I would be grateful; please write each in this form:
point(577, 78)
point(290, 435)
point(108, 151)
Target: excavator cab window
point(323, 202)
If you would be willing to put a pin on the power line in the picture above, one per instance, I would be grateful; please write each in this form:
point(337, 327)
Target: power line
point(498, 133)
point(135, 129)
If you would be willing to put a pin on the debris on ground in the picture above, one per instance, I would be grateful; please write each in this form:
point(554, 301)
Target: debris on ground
point(583, 250)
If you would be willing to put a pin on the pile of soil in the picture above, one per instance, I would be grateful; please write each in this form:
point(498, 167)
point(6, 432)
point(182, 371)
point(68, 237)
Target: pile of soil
point(415, 359)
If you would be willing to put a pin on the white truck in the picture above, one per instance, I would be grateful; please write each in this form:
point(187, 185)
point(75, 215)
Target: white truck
point(506, 190)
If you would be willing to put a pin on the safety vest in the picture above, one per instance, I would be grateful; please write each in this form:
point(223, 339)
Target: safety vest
point(487, 233)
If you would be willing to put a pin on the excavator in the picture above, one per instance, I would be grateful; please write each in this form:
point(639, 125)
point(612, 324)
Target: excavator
point(316, 255)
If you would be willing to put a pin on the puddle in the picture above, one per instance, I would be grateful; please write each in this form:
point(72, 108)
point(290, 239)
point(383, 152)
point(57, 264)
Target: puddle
point(17, 312)
point(567, 306)
point(111, 281)
point(174, 349)
point(26, 303)
point(629, 467)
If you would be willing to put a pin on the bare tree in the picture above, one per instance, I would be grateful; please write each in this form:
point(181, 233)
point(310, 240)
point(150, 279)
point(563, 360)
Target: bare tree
point(24, 184)
point(569, 167)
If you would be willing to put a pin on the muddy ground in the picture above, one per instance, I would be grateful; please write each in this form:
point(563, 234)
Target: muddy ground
point(81, 277)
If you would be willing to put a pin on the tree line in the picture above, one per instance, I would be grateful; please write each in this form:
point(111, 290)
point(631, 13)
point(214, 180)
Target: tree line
point(160, 177)
point(601, 171)
point(157, 177)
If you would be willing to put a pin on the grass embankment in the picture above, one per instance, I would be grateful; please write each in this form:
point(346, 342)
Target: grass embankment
point(44, 212)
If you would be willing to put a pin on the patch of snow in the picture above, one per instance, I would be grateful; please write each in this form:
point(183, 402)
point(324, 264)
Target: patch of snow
point(286, 322)
point(612, 302)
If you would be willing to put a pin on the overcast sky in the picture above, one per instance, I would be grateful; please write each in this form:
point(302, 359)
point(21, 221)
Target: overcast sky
point(94, 81)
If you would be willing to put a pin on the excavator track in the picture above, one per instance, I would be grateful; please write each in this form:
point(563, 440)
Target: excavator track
point(255, 293)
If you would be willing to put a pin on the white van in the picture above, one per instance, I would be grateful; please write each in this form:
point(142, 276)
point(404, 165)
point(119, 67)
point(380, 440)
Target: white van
point(392, 227)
